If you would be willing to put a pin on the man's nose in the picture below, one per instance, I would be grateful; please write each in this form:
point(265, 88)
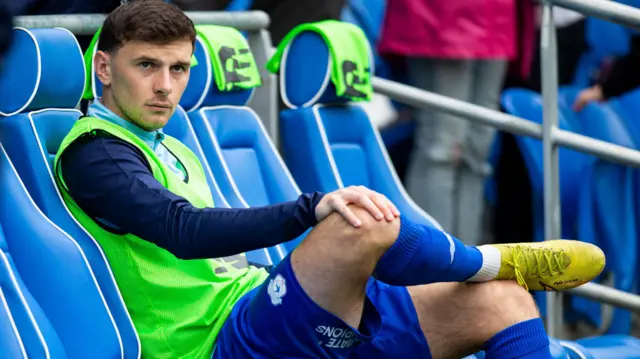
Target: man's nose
point(163, 83)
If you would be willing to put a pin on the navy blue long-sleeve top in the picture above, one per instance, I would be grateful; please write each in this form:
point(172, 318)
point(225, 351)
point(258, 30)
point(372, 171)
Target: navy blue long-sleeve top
point(111, 181)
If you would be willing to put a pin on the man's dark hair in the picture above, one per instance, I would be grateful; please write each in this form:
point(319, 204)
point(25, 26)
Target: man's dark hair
point(151, 21)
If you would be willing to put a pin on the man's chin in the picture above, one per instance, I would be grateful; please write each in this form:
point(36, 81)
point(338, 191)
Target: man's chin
point(154, 122)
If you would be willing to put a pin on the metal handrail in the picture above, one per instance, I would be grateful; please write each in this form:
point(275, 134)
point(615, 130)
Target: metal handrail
point(424, 99)
point(88, 24)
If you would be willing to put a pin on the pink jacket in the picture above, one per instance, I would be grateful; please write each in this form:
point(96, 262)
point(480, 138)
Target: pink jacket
point(460, 29)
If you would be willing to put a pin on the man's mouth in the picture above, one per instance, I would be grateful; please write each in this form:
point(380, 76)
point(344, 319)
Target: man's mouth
point(159, 106)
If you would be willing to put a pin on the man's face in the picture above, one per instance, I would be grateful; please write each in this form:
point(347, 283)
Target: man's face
point(143, 82)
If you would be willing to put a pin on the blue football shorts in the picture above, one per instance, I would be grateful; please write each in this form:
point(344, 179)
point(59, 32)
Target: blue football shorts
point(279, 320)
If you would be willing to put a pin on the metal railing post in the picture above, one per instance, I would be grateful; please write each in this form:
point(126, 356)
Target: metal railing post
point(549, 61)
point(88, 24)
point(265, 99)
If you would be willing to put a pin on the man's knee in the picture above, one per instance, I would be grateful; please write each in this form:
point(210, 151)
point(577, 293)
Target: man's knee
point(372, 232)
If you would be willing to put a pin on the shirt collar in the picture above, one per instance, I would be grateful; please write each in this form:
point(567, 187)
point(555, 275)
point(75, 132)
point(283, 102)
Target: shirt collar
point(151, 138)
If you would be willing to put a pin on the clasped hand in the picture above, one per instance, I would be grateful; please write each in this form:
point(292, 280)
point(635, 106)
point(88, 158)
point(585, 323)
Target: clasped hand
point(375, 203)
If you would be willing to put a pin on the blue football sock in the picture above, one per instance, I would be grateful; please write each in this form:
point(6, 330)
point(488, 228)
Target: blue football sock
point(423, 255)
point(525, 340)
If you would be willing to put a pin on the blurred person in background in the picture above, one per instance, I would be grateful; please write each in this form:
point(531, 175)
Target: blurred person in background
point(622, 77)
point(5, 29)
point(459, 49)
point(287, 14)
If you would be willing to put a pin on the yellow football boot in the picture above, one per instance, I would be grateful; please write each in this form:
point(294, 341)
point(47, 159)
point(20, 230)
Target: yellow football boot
point(550, 265)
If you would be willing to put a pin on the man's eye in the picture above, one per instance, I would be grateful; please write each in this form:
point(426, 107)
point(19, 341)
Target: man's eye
point(145, 65)
point(178, 68)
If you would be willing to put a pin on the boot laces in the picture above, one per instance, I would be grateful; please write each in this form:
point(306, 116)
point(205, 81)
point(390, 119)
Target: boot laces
point(536, 262)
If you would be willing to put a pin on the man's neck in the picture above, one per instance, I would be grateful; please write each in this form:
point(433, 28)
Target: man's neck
point(100, 110)
point(109, 102)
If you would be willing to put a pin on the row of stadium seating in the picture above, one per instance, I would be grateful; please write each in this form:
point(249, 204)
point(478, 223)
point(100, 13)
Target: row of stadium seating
point(59, 298)
point(599, 199)
point(599, 203)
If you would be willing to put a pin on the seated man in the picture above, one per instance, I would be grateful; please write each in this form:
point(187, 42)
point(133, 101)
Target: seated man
point(365, 283)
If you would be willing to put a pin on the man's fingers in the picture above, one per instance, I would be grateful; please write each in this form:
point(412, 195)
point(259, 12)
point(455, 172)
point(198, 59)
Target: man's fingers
point(367, 203)
point(384, 205)
point(347, 214)
point(388, 209)
point(378, 206)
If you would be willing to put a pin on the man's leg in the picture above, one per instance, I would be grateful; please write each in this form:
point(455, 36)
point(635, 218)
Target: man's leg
point(334, 263)
point(314, 303)
point(499, 317)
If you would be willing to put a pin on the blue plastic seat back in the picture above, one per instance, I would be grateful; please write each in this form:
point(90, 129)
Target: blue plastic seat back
point(10, 340)
point(611, 347)
point(606, 38)
point(607, 217)
point(327, 142)
point(251, 159)
point(33, 139)
point(627, 107)
point(607, 208)
point(575, 350)
point(239, 151)
point(596, 120)
point(21, 335)
point(41, 112)
point(56, 273)
point(528, 105)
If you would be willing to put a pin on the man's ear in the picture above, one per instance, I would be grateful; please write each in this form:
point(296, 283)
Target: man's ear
point(102, 66)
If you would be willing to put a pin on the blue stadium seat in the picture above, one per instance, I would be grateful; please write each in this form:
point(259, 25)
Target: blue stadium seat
point(11, 342)
point(327, 147)
point(604, 347)
point(238, 149)
point(575, 350)
point(65, 299)
point(607, 211)
point(26, 328)
point(45, 87)
point(627, 107)
point(528, 105)
point(607, 218)
point(597, 120)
